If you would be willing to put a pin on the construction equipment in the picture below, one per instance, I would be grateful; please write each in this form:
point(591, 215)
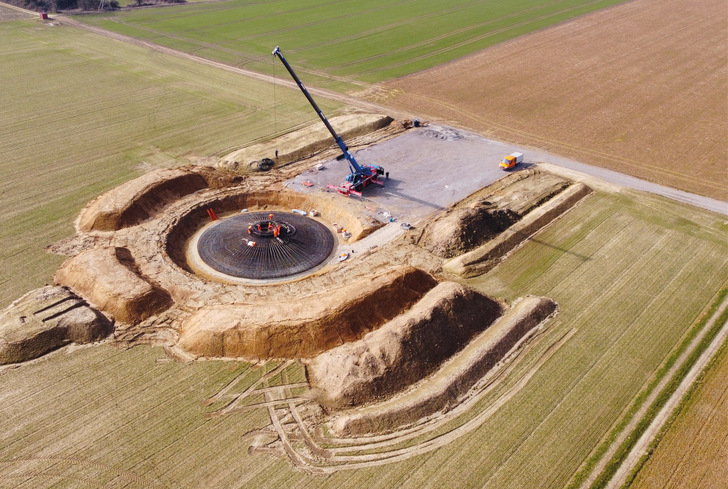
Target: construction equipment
point(511, 161)
point(360, 176)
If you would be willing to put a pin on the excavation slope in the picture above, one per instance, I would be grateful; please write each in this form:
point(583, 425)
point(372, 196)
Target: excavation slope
point(403, 351)
point(304, 328)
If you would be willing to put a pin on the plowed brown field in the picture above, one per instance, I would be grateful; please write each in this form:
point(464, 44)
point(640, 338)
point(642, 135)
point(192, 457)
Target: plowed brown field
point(639, 88)
point(694, 451)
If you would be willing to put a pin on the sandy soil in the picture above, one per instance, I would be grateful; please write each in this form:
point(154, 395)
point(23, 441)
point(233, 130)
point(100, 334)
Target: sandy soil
point(638, 88)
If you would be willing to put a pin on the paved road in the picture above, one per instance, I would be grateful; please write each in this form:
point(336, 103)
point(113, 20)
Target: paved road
point(623, 180)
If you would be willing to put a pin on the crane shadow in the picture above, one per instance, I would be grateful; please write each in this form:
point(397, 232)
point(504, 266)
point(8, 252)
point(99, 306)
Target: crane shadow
point(390, 189)
point(548, 245)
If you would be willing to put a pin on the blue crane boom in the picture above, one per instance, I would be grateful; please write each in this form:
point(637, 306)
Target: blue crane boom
point(360, 176)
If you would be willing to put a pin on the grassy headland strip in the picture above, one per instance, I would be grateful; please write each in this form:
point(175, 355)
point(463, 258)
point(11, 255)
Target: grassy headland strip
point(629, 438)
point(681, 410)
point(699, 362)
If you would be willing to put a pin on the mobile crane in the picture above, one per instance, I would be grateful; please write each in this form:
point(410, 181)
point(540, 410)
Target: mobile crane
point(360, 176)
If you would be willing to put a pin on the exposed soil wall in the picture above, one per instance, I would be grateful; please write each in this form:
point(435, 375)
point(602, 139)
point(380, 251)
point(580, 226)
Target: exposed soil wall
point(307, 327)
point(107, 277)
point(467, 229)
point(480, 260)
point(449, 384)
point(403, 351)
point(45, 319)
point(138, 199)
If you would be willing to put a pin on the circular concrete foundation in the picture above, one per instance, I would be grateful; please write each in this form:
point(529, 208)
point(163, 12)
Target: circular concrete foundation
point(264, 245)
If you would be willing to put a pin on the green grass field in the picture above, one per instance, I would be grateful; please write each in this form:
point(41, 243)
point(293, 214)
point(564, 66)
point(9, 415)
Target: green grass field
point(630, 272)
point(365, 41)
point(82, 114)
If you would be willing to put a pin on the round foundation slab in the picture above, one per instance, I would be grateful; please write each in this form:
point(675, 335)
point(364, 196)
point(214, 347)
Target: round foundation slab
point(265, 245)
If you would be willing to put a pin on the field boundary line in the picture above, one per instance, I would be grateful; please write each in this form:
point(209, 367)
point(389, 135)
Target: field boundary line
point(638, 415)
point(321, 92)
point(563, 144)
point(20, 9)
point(640, 447)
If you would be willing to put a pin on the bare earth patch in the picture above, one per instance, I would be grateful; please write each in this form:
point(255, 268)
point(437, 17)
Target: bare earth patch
point(638, 88)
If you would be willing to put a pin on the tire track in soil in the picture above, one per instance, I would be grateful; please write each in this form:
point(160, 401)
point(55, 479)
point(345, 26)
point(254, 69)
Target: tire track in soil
point(640, 447)
point(599, 467)
point(312, 465)
point(59, 467)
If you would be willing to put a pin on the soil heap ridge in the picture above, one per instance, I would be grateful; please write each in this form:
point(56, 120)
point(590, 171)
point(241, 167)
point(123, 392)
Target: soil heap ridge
point(403, 351)
point(450, 385)
point(45, 319)
point(302, 143)
point(108, 278)
point(306, 327)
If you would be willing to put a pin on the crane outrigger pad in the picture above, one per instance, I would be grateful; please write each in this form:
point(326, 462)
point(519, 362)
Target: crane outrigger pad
point(263, 245)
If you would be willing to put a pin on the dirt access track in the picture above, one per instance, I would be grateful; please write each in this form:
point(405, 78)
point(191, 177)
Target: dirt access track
point(638, 88)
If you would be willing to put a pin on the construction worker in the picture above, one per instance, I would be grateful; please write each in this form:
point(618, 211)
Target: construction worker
point(250, 229)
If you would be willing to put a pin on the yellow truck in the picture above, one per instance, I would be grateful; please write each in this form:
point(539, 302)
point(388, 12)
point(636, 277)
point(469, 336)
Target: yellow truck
point(511, 161)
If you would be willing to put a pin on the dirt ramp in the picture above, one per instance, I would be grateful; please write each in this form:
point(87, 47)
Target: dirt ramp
point(45, 319)
point(139, 199)
point(403, 351)
point(108, 278)
point(447, 387)
point(306, 327)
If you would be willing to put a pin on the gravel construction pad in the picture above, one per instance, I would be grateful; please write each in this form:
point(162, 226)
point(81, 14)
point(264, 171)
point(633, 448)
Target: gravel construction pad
point(429, 168)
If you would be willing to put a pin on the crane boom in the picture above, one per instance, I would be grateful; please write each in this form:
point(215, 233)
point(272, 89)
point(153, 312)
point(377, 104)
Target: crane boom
point(360, 176)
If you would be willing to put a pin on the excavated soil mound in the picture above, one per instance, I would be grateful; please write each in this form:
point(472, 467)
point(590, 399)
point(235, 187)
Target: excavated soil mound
point(302, 143)
point(403, 351)
point(447, 387)
point(488, 212)
point(45, 319)
point(482, 259)
point(467, 229)
point(108, 278)
point(138, 199)
point(306, 327)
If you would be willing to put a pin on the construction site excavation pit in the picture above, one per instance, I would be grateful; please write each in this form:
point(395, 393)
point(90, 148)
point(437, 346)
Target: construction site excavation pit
point(264, 245)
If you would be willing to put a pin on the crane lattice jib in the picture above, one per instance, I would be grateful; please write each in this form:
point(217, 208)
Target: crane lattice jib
point(355, 168)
